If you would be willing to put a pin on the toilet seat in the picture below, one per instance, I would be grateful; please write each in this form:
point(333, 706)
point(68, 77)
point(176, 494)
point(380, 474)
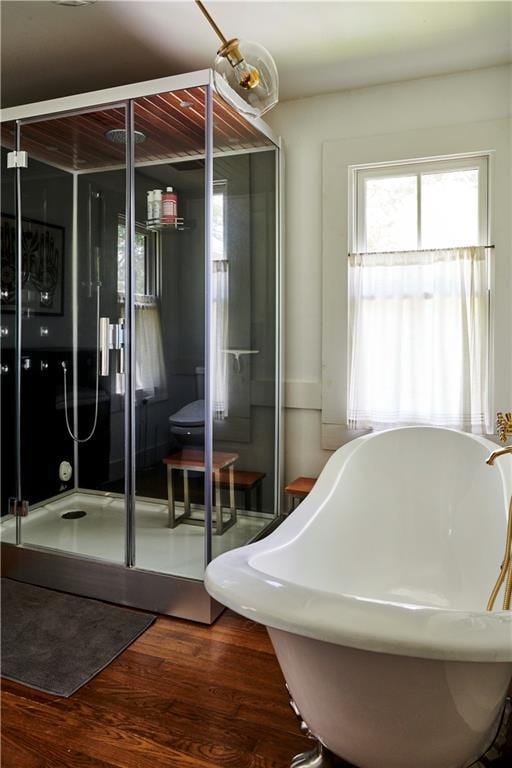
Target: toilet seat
point(189, 420)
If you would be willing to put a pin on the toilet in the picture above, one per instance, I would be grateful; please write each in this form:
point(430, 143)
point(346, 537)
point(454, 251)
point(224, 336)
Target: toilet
point(187, 424)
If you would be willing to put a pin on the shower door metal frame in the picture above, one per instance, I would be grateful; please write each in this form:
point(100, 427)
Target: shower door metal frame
point(18, 337)
point(126, 584)
point(129, 351)
point(208, 315)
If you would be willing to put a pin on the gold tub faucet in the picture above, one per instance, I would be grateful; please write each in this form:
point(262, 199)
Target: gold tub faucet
point(496, 454)
point(504, 430)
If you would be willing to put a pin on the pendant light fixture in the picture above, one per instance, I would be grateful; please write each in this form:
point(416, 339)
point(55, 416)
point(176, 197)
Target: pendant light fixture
point(245, 74)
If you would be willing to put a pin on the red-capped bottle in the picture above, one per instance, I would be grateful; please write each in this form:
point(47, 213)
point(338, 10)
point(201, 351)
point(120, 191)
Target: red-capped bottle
point(169, 206)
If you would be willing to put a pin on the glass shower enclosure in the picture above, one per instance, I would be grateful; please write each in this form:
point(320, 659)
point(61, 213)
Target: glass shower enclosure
point(141, 373)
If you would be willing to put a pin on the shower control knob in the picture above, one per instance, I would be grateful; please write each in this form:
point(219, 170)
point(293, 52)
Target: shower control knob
point(65, 471)
point(4, 368)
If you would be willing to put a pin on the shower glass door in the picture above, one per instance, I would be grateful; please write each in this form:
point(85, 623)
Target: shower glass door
point(244, 342)
point(73, 230)
point(172, 527)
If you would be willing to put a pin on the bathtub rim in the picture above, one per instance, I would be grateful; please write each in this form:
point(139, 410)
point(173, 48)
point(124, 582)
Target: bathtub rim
point(420, 632)
point(447, 634)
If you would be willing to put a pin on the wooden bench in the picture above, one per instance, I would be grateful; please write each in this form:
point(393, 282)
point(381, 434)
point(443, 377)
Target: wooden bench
point(246, 482)
point(298, 490)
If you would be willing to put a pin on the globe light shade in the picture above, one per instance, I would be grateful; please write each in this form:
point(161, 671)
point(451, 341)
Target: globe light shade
point(245, 75)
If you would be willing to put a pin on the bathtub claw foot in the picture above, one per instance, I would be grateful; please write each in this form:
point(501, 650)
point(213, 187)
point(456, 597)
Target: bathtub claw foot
point(318, 757)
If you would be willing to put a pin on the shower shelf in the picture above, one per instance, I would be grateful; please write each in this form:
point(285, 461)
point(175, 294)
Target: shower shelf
point(176, 226)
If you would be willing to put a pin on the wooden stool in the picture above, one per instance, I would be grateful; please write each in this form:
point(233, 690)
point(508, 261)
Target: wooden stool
point(298, 490)
point(245, 481)
point(192, 460)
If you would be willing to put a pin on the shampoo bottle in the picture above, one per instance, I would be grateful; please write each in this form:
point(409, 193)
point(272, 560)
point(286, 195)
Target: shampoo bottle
point(169, 206)
point(157, 206)
point(150, 212)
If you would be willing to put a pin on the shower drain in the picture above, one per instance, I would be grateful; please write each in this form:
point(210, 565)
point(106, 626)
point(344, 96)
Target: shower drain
point(74, 514)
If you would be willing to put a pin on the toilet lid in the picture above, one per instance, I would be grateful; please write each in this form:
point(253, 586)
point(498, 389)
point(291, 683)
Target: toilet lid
point(191, 415)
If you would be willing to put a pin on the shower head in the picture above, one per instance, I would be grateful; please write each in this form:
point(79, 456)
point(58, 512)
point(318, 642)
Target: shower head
point(118, 136)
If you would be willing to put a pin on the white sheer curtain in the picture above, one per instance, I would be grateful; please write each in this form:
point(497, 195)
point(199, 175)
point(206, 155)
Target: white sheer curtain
point(418, 338)
point(220, 320)
point(150, 376)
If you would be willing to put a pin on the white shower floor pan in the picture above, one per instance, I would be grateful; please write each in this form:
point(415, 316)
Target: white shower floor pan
point(100, 533)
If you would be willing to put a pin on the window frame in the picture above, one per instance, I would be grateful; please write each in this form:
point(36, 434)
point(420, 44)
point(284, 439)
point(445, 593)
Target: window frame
point(360, 173)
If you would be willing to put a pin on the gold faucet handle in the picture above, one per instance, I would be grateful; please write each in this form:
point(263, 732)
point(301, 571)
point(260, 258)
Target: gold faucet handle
point(504, 425)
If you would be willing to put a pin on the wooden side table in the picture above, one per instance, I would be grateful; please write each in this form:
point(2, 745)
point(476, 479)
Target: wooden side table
point(192, 460)
point(298, 490)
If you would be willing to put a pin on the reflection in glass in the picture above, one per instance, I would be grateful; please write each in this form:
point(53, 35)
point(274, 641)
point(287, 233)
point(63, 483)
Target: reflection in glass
point(244, 341)
point(220, 302)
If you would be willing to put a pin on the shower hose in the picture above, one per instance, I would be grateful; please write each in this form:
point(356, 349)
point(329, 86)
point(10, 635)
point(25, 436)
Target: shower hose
point(72, 435)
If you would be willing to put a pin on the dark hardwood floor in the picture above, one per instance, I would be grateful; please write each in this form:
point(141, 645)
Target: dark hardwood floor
point(182, 696)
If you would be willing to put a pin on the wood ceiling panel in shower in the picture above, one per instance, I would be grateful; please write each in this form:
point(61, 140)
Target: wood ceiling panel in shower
point(75, 142)
point(8, 135)
point(173, 125)
point(175, 121)
point(231, 131)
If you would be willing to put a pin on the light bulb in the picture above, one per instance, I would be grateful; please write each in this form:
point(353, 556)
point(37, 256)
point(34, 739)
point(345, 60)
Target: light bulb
point(248, 77)
point(245, 75)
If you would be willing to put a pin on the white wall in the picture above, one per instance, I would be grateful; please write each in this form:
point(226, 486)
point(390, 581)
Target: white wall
point(305, 125)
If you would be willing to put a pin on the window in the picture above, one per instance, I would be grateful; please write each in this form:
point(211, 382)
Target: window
point(419, 295)
point(150, 374)
point(435, 204)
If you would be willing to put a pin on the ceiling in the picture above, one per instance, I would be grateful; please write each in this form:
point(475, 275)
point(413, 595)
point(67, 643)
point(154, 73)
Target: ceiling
point(51, 50)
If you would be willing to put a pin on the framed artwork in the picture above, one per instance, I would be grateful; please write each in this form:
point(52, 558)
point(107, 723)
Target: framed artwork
point(42, 266)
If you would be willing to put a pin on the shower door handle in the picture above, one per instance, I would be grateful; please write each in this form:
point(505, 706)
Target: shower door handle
point(111, 337)
point(105, 345)
point(119, 344)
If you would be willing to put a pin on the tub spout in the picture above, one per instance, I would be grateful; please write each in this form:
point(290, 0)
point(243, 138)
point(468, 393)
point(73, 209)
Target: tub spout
point(496, 454)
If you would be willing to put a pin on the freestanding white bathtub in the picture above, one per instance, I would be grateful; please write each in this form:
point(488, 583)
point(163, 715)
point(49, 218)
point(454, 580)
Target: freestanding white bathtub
point(374, 593)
